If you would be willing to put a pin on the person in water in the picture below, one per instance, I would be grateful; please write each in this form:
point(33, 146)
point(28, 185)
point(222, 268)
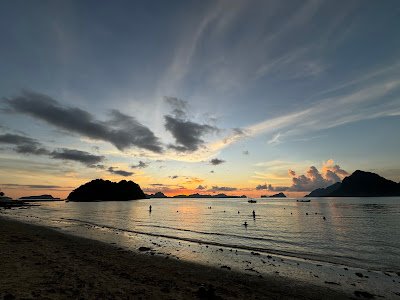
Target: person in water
point(245, 224)
point(150, 208)
point(254, 214)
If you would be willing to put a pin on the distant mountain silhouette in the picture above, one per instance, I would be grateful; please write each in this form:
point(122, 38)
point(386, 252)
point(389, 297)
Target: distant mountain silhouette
point(324, 192)
point(279, 195)
point(40, 197)
point(105, 190)
point(360, 184)
point(197, 195)
point(157, 195)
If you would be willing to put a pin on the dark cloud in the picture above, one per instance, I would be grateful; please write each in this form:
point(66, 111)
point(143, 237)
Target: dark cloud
point(200, 187)
point(76, 155)
point(174, 176)
point(216, 188)
point(212, 171)
point(27, 145)
point(120, 172)
point(121, 130)
point(31, 149)
point(140, 165)
point(187, 134)
point(262, 187)
point(179, 106)
point(23, 144)
point(271, 188)
point(216, 161)
point(246, 152)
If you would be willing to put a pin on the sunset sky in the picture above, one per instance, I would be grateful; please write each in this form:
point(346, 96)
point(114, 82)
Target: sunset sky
point(235, 97)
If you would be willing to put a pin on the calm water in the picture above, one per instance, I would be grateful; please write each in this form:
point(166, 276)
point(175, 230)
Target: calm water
point(358, 232)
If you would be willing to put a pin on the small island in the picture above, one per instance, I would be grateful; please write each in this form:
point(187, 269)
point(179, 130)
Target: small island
point(106, 190)
point(279, 195)
point(39, 198)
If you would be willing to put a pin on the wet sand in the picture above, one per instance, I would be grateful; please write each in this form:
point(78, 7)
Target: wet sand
point(38, 262)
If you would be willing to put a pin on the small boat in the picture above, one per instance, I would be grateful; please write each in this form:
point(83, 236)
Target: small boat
point(303, 200)
point(252, 201)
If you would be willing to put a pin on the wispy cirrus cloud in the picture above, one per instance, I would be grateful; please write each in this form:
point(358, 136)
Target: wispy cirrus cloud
point(367, 102)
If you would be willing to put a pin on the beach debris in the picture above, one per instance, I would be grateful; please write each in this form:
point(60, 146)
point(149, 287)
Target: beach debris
point(363, 294)
point(254, 253)
point(143, 249)
point(269, 256)
point(359, 275)
point(206, 293)
point(225, 267)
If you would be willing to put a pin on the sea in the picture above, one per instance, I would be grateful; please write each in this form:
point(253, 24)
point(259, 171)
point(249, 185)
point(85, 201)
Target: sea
point(356, 232)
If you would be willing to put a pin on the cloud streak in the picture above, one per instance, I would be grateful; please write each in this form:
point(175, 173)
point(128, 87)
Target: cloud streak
point(121, 130)
point(216, 188)
point(123, 173)
point(27, 145)
point(76, 155)
point(23, 144)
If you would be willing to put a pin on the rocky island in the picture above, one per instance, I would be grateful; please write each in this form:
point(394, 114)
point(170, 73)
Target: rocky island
point(106, 190)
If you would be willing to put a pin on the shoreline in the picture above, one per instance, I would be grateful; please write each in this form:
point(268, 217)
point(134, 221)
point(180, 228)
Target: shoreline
point(51, 264)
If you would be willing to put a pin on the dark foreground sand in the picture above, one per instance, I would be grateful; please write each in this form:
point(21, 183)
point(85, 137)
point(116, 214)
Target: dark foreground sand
point(38, 262)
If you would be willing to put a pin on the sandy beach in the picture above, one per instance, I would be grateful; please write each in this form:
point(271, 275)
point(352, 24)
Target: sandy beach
point(38, 262)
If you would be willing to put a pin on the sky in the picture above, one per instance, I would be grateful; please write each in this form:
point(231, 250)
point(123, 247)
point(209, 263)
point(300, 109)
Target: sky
point(234, 97)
